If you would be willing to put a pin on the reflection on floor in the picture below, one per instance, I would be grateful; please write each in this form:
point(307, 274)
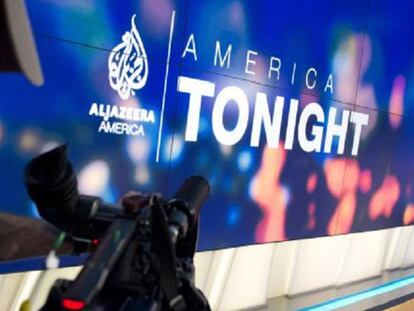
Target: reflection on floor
point(406, 306)
point(317, 298)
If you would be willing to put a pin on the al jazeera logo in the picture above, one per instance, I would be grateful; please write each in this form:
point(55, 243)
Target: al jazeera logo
point(128, 64)
point(128, 73)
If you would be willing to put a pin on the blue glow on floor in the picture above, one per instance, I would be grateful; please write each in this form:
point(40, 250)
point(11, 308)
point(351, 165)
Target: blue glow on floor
point(353, 298)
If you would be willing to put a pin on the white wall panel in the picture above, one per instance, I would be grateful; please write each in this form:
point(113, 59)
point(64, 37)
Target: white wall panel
point(408, 259)
point(364, 257)
point(317, 263)
point(398, 242)
point(9, 287)
point(202, 263)
point(217, 277)
point(45, 282)
point(390, 257)
point(282, 268)
point(27, 284)
point(247, 281)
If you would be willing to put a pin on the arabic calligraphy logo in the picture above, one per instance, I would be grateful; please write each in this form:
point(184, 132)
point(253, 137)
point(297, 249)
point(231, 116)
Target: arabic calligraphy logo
point(128, 64)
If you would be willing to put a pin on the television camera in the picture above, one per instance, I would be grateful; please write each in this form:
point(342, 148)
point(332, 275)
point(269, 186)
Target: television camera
point(142, 250)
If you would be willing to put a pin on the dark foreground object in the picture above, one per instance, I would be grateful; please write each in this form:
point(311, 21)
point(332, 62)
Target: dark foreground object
point(22, 237)
point(142, 251)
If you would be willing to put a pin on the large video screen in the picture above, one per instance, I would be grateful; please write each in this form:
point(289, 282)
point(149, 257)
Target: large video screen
point(299, 113)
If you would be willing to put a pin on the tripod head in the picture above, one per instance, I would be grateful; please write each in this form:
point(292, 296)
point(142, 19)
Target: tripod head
point(144, 259)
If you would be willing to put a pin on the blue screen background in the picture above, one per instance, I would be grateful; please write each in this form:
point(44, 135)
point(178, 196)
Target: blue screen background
point(366, 45)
